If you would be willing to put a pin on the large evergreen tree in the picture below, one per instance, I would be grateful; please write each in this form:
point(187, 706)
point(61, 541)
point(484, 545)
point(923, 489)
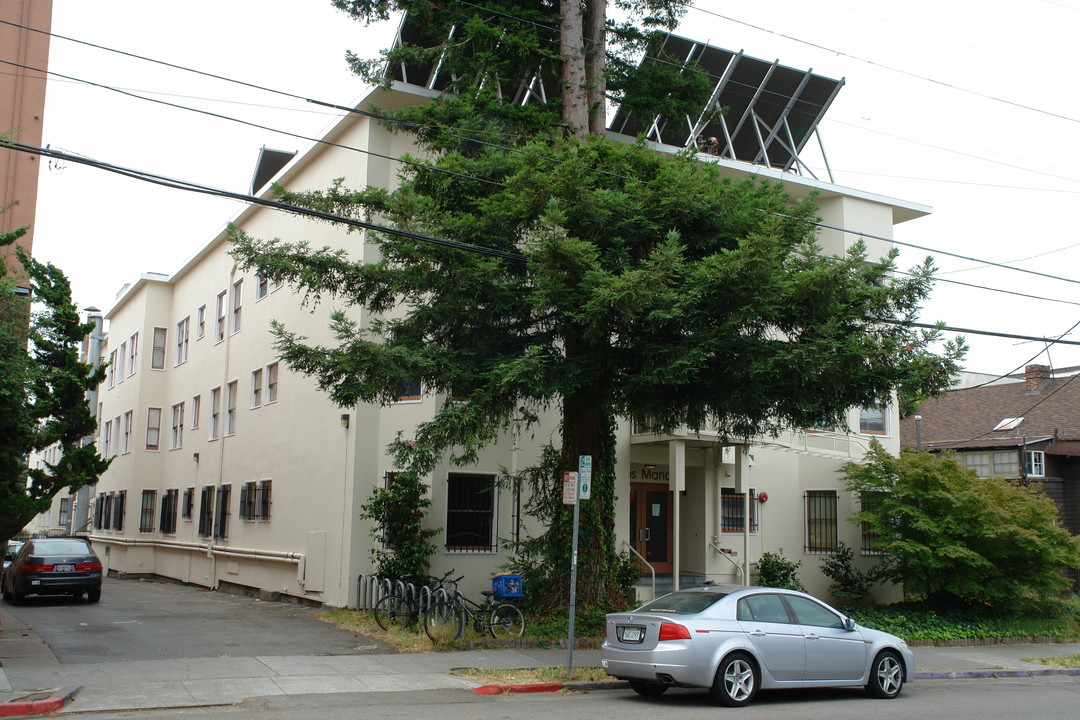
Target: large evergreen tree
point(43, 387)
point(601, 279)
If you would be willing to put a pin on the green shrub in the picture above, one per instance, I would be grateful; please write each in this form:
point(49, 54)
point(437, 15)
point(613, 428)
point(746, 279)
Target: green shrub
point(774, 570)
point(849, 582)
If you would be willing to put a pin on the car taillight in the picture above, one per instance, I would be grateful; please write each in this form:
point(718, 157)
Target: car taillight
point(86, 567)
point(37, 568)
point(672, 631)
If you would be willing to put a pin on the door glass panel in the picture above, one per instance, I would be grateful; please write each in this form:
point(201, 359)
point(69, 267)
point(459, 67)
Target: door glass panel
point(656, 522)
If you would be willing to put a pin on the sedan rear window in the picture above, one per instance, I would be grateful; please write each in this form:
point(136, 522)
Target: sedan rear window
point(61, 547)
point(682, 603)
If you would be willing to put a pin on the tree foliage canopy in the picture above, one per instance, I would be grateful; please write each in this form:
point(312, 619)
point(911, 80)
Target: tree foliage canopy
point(954, 538)
point(43, 387)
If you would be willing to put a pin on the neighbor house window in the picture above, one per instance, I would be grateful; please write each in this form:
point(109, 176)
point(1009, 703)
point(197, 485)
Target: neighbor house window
point(262, 288)
point(200, 322)
point(230, 408)
point(125, 438)
point(146, 511)
point(821, 521)
point(731, 508)
point(872, 421)
point(256, 388)
point(182, 340)
point(116, 436)
point(206, 511)
point(219, 309)
point(133, 353)
point(271, 382)
point(1036, 463)
point(153, 429)
point(121, 358)
point(215, 413)
point(979, 462)
point(64, 514)
point(1000, 463)
point(237, 306)
point(196, 409)
point(169, 502)
point(157, 356)
point(176, 439)
point(470, 512)
point(107, 450)
point(110, 379)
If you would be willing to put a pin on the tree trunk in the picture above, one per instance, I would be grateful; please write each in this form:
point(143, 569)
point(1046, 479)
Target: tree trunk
point(575, 96)
point(596, 64)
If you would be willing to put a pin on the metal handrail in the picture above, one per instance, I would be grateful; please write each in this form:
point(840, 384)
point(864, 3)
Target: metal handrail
point(652, 570)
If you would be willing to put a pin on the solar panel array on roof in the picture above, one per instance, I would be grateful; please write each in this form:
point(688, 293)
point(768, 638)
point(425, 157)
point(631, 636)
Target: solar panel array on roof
point(770, 111)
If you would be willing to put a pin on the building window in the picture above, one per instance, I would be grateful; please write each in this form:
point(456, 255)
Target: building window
point(1036, 463)
point(182, 340)
point(870, 501)
point(188, 504)
point(262, 288)
point(979, 462)
point(821, 521)
point(215, 413)
point(64, 514)
point(230, 408)
point(153, 429)
point(121, 358)
point(256, 388)
point(108, 440)
point(157, 356)
point(196, 408)
point(1007, 463)
point(206, 511)
point(125, 439)
point(168, 512)
point(106, 512)
point(119, 509)
point(200, 322)
point(176, 439)
point(271, 382)
point(116, 436)
point(237, 306)
point(255, 500)
point(219, 308)
point(99, 506)
point(221, 517)
point(731, 508)
point(1001, 463)
point(872, 421)
point(470, 512)
point(146, 511)
point(110, 379)
point(263, 501)
point(133, 353)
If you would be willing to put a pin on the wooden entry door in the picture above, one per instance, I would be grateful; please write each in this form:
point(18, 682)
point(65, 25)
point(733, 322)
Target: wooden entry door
point(651, 524)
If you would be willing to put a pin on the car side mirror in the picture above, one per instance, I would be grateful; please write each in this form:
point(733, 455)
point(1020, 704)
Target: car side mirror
point(849, 624)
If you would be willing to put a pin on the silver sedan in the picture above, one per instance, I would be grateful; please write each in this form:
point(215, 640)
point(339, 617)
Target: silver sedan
point(737, 640)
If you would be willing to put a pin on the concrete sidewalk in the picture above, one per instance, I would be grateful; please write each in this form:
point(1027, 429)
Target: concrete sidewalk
point(33, 681)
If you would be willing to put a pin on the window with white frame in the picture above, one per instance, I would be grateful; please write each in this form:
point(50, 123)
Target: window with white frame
point(237, 306)
point(107, 440)
point(157, 355)
point(262, 287)
point(230, 408)
point(119, 510)
point(121, 359)
point(116, 436)
point(133, 353)
point(146, 511)
point(206, 511)
point(188, 503)
point(110, 378)
point(169, 506)
point(64, 512)
point(256, 388)
point(125, 438)
point(182, 340)
point(1036, 463)
point(732, 517)
point(470, 512)
point(196, 409)
point(998, 463)
point(200, 322)
point(153, 428)
point(221, 516)
point(821, 526)
point(219, 309)
point(215, 413)
point(872, 421)
point(176, 438)
point(271, 382)
point(255, 500)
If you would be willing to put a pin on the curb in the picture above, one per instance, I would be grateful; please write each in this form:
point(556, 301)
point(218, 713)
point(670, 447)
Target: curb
point(57, 701)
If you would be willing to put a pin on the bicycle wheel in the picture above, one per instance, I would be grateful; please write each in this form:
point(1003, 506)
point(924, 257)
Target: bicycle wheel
point(506, 621)
point(443, 621)
point(394, 612)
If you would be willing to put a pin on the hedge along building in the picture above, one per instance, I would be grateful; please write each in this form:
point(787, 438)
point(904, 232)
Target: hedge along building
point(232, 471)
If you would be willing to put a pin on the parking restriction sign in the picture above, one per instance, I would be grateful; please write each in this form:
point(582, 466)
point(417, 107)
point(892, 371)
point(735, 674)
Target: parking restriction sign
point(569, 488)
point(584, 477)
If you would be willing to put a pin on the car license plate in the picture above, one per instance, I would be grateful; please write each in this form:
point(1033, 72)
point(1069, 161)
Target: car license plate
point(63, 568)
point(632, 634)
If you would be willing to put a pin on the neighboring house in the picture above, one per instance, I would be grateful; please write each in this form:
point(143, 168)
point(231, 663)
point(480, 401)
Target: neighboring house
point(230, 470)
point(1021, 428)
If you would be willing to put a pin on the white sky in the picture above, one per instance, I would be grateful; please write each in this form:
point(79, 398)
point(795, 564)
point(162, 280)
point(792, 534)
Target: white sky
point(914, 121)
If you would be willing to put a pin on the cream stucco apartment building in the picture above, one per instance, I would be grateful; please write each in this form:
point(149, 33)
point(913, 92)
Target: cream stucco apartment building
point(232, 471)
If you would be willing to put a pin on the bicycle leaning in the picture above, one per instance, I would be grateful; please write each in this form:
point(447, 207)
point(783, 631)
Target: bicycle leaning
point(402, 609)
point(446, 617)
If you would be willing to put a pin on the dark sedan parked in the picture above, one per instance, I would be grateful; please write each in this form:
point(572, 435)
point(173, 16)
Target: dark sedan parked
point(53, 566)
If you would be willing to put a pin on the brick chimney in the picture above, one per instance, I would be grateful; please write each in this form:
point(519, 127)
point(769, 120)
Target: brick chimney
point(1035, 376)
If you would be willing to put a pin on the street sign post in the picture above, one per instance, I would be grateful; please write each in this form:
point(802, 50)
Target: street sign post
point(584, 477)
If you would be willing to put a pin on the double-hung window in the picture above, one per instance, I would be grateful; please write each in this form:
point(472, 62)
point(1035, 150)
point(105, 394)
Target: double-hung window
point(188, 504)
point(215, 413)
point(237, 306)
point(219, 310)
point(176, 439)
point(153, 429)
point(119, 510)
point(206, 511)
point(167, 525)
point(230, 408)
point(200, 322)
point(182, 340)
point(470, 512)
point(221, 517)
point(872, 420)
point(271, 382)
point(157, 355)
point(133, 353)
point(146, 511)
point(256, 388)
point(125, 438)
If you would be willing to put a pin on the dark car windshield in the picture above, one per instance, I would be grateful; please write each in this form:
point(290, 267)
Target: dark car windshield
point(686, 602)
point(61, 547)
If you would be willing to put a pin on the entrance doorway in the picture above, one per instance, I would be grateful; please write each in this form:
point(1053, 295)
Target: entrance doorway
point(651, 524)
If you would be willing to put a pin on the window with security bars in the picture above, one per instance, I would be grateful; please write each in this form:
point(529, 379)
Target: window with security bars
point(119, 508)
point(470, 512)
point(146, 511)
point(221, 515)
point(870, 502)
point(169, 501)
point(107, 518)
point(255, 500)
point(206, 511)
point(731, 511)
point(99, 507)
point(189, 503)
point(821, 527)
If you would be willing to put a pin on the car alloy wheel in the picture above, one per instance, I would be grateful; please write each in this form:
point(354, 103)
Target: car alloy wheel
point(886, 676)
point(736, 681)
